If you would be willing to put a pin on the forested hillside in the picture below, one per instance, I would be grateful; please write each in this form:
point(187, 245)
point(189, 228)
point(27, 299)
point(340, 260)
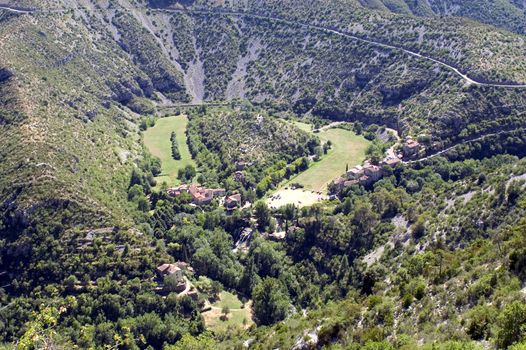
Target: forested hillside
point(432, 233)
point(93, 251)
point(225, 141)
point(327, 75)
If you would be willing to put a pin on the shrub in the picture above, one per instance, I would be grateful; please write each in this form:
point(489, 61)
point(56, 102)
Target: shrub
point(407, 300)
point(512, 324)
point(480, 320)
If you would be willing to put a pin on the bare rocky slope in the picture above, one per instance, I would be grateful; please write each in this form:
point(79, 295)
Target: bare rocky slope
point(508, 14)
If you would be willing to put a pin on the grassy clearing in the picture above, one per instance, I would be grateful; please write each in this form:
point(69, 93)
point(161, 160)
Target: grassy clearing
point(157, 140)
point(236, 315)
point(347, 149)
point(229, 300)
point(303, 126)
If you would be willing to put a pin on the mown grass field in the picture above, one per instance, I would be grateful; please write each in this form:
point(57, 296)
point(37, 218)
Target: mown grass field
point(229, 300)
point(238, 317)
point(347, 149)
point(157, 140)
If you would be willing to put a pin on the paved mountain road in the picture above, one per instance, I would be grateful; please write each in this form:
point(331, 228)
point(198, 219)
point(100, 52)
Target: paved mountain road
point(15, 10)
point(25, 11)
point(353, 37)
point(464, 76)
point(445, 150)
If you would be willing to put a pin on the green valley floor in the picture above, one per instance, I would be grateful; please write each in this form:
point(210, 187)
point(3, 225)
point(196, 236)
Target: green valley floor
point(157, 140)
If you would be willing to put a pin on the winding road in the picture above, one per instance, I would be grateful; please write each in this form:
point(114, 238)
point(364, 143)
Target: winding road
point(454, 69)
point(15, 10)
point(445, 150)
point(350, 36)
point(26, 11)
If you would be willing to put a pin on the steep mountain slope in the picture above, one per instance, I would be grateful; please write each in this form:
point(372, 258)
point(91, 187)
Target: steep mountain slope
point(74, 74)
point(371, 89)
point(456, 41)
point(328, 75)
point(69, 74)
point(67, 155)
point(446, 270)
point(507, 14)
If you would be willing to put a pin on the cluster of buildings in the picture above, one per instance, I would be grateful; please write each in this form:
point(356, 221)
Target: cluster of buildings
point(203, 196)
point(364, 175)
point(200, 195)
point(369, 173)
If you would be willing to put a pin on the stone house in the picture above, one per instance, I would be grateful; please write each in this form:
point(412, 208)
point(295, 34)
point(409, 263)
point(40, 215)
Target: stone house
point(233, 201)
point(355, 173)
point(374, 172)
point(410, 147)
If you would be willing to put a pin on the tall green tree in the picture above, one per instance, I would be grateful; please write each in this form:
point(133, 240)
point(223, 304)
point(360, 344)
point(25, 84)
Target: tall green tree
point(512, 324)
point(262, 213)
point(289, 213)
point(271, 301)
point(187, 173)
point(175, 147)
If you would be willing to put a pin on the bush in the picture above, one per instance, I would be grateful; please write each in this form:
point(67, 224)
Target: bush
point(512, 324)
point(419, 228)
point(141, 106)
point(187, 173)
point(518, 262)
point(480, 320)
point(407, 300)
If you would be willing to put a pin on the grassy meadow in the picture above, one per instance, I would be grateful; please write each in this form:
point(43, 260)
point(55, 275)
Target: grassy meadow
point(238, 317)
point(347, 149)
point(157, 140)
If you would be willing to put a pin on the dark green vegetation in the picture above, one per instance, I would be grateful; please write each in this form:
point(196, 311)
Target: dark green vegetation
point(267, 149)
point(432, 253)
point(176, 155)
point(431, 248)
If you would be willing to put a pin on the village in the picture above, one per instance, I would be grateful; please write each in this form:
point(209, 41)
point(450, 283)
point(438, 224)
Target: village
point(179, 277)
point(364, 175)
point(204, 196)
point(368, 173)
point(221, 307)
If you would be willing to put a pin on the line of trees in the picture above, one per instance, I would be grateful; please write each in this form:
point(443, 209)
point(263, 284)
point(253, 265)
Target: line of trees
point(175, 148)
point(279, 172)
